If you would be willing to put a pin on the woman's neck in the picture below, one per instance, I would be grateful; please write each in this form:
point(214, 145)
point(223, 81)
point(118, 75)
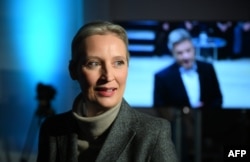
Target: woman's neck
point(95, 125)
point(91, 109)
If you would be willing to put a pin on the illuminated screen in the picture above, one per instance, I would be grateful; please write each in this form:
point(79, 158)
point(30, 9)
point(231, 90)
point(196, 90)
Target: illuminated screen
point(227, 48)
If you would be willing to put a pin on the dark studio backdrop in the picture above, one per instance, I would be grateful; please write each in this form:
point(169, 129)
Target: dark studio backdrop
point(35, 47)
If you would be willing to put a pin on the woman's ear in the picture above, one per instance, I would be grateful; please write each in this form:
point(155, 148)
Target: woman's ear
point(73, 69)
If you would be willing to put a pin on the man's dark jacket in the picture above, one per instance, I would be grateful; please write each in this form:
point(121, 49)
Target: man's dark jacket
point(169, 90)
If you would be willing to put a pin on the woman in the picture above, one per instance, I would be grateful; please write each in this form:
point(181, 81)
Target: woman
point(101, 125)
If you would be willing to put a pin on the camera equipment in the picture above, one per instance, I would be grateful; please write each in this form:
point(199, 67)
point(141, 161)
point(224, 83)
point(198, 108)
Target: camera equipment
point(45, 94)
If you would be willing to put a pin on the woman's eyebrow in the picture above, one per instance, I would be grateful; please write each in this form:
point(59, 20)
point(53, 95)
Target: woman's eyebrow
point(92, 57)
point(119, 57)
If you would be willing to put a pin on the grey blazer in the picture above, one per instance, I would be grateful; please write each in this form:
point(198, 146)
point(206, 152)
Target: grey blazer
point(133, 137)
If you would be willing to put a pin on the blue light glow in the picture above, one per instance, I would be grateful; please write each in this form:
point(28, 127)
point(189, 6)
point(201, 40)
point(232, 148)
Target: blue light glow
point(40, 29)
point(39, 34)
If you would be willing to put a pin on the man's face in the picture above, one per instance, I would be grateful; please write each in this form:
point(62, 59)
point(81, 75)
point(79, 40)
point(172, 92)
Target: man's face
point(184, 53)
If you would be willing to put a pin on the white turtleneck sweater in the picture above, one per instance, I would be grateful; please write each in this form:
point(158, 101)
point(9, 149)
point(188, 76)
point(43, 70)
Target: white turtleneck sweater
point(91, 128)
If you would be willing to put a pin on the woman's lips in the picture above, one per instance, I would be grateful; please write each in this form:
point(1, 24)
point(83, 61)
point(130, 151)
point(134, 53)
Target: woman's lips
point(105, 92)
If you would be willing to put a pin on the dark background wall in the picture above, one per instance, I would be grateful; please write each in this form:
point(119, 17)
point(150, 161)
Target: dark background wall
point(16, 108)
point(167, 9)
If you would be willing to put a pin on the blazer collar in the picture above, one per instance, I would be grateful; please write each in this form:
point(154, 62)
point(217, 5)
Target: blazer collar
point(122, 131)
point(121, 134)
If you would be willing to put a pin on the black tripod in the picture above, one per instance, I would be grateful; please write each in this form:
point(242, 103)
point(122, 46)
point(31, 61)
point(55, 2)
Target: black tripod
point(45, 94)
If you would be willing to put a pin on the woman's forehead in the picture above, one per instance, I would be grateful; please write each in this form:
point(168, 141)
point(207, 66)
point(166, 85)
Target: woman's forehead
point(108, 44)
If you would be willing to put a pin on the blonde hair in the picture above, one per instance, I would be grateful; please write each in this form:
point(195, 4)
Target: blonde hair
point(96, 28)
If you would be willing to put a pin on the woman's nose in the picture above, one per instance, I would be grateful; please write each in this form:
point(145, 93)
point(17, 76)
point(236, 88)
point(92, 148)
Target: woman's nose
point(107, 73)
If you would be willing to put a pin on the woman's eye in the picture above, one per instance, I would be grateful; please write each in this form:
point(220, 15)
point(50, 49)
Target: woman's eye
point(119, 63)
point(92, 64)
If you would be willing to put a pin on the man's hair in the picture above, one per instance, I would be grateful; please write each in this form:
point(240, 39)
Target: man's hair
point(177, 36)
point(96, 28)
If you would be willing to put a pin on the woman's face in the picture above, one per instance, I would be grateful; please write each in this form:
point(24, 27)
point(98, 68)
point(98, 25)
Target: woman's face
point(103, 71)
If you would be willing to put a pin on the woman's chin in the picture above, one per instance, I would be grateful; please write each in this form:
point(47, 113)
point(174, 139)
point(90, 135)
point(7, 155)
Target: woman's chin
point(107, 103)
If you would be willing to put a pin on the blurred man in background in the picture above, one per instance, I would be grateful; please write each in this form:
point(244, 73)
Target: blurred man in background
point(185, 85)
point(187, 82)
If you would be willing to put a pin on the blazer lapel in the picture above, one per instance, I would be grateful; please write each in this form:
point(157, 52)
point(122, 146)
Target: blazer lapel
point(202, 80)
point(121, 134)
point(67, 145)
point(181, 89)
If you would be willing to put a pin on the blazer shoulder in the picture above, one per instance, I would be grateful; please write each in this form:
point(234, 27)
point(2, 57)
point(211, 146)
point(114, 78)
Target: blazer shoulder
point(171, 69)
point(142, 120)
point(151, 122)
point(203, 64)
